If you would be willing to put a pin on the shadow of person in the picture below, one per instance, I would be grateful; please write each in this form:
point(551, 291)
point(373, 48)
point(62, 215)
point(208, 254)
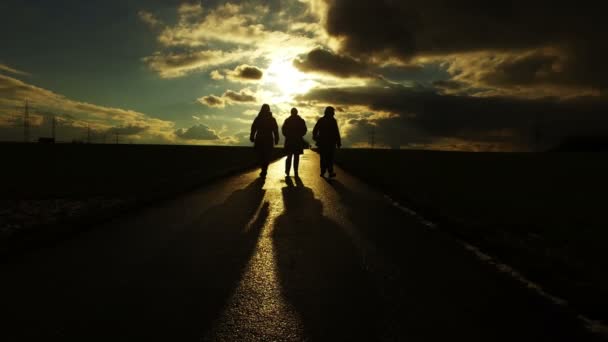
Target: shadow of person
point(320, 271)
point(292, 183)
point(177, 293)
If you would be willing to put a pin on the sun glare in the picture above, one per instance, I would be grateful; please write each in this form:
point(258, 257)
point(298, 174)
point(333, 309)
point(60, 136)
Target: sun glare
point(288, 81)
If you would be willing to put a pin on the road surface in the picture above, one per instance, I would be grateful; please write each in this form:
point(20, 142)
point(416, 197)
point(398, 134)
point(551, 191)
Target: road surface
point(277, 260)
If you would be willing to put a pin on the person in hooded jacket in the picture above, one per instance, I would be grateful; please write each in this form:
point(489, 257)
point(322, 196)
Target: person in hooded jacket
point(294, 129)
point(264, 135)
point(327, 136)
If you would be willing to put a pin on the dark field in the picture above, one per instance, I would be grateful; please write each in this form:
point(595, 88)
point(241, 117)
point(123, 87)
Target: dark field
point(542, 213)
point(38, 171)
point(50, 184)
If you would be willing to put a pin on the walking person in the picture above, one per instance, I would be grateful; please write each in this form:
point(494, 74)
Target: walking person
point(264, 132)
point(294, 129)
point(327, 136)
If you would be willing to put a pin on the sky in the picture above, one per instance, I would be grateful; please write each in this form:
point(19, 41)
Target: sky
point(449, 75)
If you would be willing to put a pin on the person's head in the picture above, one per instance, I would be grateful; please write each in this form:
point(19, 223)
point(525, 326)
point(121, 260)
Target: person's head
point(294, 111)
point(330, 111)
point(265, 110)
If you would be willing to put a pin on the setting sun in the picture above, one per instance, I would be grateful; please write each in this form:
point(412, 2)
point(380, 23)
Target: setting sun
point(288, 80)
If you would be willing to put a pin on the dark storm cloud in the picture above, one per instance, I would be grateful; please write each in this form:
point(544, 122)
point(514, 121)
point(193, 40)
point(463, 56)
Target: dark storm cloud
point(441, 28)
point(197, 132)
point(324, 61)
point(424, 114)
point(246, 72)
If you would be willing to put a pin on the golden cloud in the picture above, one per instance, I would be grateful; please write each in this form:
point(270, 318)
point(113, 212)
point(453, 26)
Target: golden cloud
point(179, 64)
point(229, 97)
point(13, 93)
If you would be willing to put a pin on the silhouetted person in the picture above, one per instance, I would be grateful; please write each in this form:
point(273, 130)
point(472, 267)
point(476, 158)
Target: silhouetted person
point(265, 134)
point(327, 136)
point(294, 129)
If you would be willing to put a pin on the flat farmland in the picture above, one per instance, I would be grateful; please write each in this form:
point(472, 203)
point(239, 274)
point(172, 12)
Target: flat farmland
point(46, 186)
point(543, 213)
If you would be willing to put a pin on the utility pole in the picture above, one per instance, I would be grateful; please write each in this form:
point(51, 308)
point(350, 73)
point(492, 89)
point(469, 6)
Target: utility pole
point(26, 123)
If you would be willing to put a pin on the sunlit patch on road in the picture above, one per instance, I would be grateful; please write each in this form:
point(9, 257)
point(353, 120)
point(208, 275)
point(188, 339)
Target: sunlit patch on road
point(257, 310)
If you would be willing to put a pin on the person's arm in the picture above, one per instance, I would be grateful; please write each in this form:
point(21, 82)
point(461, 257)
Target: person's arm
point(304, 128)
point(284, 128)
point(315, 131)
point(254, 128)
point(275, 130)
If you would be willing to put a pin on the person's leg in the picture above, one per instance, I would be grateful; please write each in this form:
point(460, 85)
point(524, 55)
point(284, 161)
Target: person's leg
point(288, 164)
point(296, 163)
point(264, 156)
point(330, 161)
point(323, 154)
point(260, 159)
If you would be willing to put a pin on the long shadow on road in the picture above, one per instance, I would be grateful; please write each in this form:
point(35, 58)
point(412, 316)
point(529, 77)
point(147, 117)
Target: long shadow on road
point(319, 271)
point(175, 295)
point(441, 291)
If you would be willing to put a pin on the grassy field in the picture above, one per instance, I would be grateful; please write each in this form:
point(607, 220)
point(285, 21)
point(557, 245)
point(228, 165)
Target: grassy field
point(542, 213)
point(47, 185)
point(39, 171)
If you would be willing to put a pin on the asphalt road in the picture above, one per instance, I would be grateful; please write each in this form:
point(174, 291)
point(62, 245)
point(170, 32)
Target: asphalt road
point(282, 259)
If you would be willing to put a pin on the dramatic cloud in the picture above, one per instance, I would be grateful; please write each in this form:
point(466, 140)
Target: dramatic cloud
point(482, 119)
point(232, 23)
point(241, 96)
point(212, 101)
point(324, 61)
point(441, 27)
point(518, 43)
point(242, 73)
point(179, 64)
point(246, 72)
point(243, 32)
point(229, 97)
point(534, 73)
point(75, 117)
point(197, 132)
